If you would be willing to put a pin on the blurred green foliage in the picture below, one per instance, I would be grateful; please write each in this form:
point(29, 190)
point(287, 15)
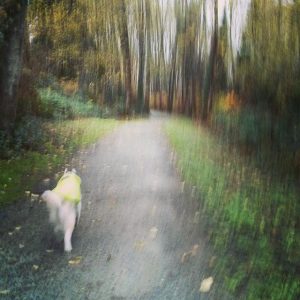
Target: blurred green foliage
point(252, 215)
point(42, 147)
point(59, 106)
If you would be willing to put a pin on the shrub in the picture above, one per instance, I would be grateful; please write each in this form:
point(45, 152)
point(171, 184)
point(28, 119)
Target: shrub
point(55, 105)
point(30, 134)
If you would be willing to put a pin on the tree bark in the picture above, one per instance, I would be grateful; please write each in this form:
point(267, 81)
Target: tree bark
point(213, 60)
point(129, 101)
point(148, 60)
point(141, 35)
point(11, 67)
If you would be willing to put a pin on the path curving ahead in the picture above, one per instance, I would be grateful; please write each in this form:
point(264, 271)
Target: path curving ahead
point(137, 221)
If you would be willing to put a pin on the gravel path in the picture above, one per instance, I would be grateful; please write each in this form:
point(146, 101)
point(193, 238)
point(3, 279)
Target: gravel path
point(137, 221)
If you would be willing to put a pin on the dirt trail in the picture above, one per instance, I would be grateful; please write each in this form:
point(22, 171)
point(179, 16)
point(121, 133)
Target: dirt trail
point(137, 221)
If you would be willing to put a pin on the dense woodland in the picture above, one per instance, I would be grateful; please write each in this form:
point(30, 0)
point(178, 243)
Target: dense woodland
point(232, 66)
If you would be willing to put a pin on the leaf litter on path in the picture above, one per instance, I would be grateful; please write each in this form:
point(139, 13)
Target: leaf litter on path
point(206, 284)
point(187, 255)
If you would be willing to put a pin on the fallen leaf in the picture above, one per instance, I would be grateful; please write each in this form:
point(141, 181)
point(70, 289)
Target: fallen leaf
point(18, 228)
point(153, 232)
point(10, 233)
point(35, 267)
point(139, 245)
point(194, 250)
point(4, 292)
point(21, 246)
point(212, 261)
point(185, 256)
point(75, 261)
point(34, 197)
point(206, 285)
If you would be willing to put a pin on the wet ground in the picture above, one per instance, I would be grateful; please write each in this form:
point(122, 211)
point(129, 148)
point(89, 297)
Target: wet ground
point(138, 219)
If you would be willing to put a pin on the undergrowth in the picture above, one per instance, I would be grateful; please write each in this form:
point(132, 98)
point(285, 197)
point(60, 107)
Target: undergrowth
point(56, 105)
point(251, 218)
point(40, 148)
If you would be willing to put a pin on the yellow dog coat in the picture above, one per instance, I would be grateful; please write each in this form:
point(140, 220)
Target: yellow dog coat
point(68, 187)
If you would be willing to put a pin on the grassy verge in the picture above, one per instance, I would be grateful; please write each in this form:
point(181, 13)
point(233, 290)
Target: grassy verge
point(251, 218)
point(62, 140)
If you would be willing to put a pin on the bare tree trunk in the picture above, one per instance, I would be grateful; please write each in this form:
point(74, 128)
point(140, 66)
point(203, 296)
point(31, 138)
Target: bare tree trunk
point(172, 84)
point(141, 35)
point(230, 41)
point(148, 61)
point(172, 76)
point(184, 83)
point(129, 102)
point(10, 68)
point(213, 60)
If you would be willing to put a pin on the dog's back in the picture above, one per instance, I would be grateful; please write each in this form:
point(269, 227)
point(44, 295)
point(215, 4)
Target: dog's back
point(68, 187)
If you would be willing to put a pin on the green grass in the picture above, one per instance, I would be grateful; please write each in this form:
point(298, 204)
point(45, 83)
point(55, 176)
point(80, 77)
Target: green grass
point(21, 173)
point(250, 218)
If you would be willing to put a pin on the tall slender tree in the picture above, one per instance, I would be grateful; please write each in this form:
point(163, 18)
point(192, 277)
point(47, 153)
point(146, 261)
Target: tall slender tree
point(11, 50)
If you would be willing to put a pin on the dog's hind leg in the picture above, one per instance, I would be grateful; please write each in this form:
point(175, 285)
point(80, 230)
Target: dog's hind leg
point(68, 217)
point(69, 227)
point(53, 215)
point(67, 240)
point(78, 212)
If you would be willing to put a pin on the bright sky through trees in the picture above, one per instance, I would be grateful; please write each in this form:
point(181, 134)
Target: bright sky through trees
point(238, 8)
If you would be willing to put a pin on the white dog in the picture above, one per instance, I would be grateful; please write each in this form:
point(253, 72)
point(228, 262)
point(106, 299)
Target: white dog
point(64, 205)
